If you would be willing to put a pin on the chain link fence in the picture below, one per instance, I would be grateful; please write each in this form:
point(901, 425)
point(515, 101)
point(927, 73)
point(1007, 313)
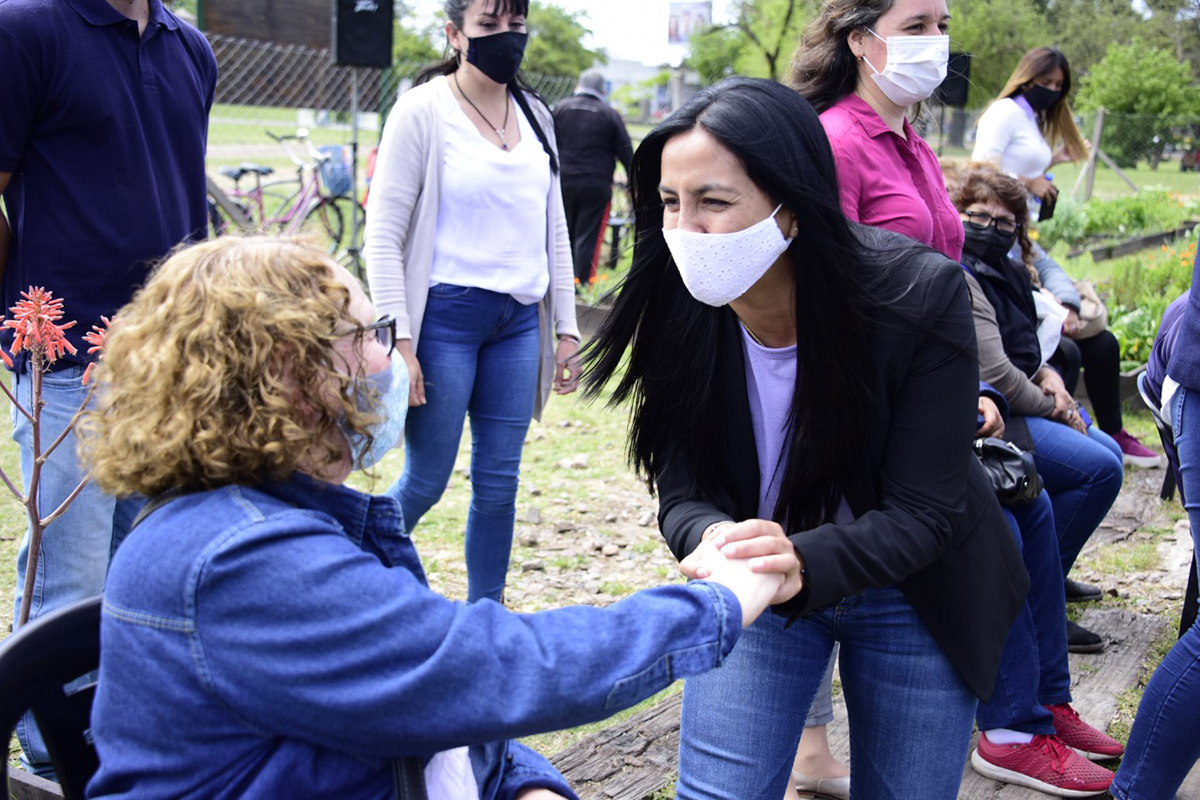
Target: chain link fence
point(264, 87)
point(1144, 146)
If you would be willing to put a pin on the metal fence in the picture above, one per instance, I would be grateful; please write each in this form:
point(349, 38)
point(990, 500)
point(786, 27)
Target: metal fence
point(278, 88)
point(1141, 146)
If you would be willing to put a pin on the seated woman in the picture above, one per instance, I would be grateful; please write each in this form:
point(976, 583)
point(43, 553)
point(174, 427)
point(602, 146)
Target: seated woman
point(268, 632)
point(803, 384)
point(1081, 465)
point(1026, 130)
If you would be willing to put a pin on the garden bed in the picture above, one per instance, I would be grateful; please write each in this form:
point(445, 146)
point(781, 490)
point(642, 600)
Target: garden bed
point(1139, 243)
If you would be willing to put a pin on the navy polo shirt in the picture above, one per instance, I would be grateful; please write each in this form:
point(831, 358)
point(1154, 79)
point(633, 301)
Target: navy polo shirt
point(104, 134)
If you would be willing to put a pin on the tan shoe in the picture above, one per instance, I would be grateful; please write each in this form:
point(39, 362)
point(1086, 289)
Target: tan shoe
point(822, 788)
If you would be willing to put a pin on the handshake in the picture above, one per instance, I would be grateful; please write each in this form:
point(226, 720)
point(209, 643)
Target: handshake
point(753, 559)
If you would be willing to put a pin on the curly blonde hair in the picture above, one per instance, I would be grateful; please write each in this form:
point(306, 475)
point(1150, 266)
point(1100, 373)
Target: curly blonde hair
point(221, 371)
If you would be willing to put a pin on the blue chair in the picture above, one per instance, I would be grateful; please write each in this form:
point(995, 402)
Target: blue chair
point(37, 664)
point(1191, 598)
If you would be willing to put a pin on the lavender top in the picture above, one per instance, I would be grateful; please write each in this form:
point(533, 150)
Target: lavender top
point(770, 384)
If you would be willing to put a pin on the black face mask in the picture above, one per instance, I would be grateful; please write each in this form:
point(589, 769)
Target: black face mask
point(1040, 98)
point(498, 56)
point(989, 245)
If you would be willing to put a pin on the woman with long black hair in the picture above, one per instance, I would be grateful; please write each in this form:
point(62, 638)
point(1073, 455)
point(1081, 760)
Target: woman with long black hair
point(467, 247)
point(804, 385)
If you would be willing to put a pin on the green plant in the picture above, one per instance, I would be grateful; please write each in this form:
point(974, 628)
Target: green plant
point(1137, 79)
point(1142, 287)
point(1069, 224)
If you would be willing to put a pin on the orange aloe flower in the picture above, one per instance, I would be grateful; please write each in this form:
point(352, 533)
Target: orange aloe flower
point(36, 325)
point(96, 337)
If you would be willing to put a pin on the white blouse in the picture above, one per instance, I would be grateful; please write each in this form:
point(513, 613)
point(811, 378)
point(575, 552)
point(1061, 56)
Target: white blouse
point(1007, 134)
point(491, 223)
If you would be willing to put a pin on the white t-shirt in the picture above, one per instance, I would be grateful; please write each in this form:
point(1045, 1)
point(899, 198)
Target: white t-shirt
point(491, 223)
point(1007, 134)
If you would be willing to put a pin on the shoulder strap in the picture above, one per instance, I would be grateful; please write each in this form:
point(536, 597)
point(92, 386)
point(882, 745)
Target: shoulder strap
point(154, 504)
point(408, 776)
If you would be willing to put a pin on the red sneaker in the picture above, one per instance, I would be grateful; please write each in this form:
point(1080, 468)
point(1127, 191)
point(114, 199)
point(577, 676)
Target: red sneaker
point(1045, 764)
point(1089, 742)
point(1135, 453)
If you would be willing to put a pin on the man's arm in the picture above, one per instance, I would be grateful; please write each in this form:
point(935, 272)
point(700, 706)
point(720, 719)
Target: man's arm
point(5, 231)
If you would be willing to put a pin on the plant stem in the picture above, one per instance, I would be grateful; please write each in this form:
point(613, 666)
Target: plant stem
point(31, 509)
point(70, 427)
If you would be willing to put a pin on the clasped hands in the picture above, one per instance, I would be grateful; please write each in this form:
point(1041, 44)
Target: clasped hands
point(1064, 405)
point(754, 559)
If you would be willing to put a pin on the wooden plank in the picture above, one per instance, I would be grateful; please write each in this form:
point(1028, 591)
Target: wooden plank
point(27, 786)
point(626, 761)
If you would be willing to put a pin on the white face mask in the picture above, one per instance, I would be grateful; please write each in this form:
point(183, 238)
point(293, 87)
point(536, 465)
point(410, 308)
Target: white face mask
point(719, 267)
point(916, 65)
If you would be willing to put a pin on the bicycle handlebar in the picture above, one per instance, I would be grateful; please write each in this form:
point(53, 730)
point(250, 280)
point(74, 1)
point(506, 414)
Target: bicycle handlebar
point(301, 135)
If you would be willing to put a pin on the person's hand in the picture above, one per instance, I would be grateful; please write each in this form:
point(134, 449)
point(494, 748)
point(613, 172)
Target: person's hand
point(1070, 326)
point(764, 545)
point(993, 423)
point(1041, 188)
point(566, 366)
point(416, 381)
point(539, 794)
point(755, 590)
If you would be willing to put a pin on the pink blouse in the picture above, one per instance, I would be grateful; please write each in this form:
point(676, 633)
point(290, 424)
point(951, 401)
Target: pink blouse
point(890, 182)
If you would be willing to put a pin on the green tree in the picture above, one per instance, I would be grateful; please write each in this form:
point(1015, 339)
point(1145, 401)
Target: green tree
point(1082, 29)
point(556, 42)
point(1136, 79)
point(411, 45)
point(996, 33)
point(770, 31)
point(714, 52)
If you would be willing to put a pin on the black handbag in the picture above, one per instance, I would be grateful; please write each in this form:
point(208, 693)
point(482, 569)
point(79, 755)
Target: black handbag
point(1013, 473)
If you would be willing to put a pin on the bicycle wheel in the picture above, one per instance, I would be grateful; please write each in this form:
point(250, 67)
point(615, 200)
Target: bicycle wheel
point(219, 222)
point(323, 222)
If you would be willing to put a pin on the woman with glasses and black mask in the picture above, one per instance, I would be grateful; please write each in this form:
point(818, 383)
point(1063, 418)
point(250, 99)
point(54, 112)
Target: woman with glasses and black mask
point(467, 247)
point(1080, 466)
point(1025, 131)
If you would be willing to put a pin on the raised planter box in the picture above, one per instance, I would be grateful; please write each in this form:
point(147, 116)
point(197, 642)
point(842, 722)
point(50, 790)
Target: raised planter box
point(1110, 251)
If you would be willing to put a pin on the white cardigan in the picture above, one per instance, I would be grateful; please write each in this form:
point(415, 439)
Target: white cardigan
point(402, 226)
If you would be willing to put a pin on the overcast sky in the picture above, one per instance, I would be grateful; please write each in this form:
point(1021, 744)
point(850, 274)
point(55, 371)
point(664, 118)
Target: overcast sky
point(631, 29)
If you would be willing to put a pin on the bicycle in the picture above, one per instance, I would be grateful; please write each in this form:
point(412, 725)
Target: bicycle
point(307, 209)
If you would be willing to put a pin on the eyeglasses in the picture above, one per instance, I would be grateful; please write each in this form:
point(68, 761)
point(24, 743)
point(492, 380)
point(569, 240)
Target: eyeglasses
point(385, 331)
point(982, 221)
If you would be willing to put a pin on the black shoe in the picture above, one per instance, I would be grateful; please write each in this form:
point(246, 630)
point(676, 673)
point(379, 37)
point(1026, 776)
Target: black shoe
point(1081, 592)
point(1081, 640)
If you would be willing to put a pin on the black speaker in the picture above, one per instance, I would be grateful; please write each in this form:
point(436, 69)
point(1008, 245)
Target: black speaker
point(953, 90)
point(362, 33)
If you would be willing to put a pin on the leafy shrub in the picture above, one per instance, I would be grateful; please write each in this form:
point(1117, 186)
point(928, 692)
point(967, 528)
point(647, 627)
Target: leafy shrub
point(1153, 210)
point(1142, 287)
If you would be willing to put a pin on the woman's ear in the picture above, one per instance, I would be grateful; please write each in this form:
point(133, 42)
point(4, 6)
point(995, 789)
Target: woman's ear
point(855, 42)
point(453, 35)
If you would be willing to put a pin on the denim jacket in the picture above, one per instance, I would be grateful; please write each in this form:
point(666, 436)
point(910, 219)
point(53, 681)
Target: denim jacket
point(282, 641)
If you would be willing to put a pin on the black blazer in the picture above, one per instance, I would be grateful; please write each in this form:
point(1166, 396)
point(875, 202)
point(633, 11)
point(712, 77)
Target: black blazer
point(927, 519)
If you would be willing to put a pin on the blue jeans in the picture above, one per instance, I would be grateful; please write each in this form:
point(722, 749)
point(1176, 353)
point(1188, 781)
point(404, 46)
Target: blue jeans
point(1165, 741)
point(479, 354)
point(1083, 476)
point(1033, 666)
point(910, 713)
point(75, 547)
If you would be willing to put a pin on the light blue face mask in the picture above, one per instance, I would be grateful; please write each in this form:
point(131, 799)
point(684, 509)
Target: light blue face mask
point(392, 387)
